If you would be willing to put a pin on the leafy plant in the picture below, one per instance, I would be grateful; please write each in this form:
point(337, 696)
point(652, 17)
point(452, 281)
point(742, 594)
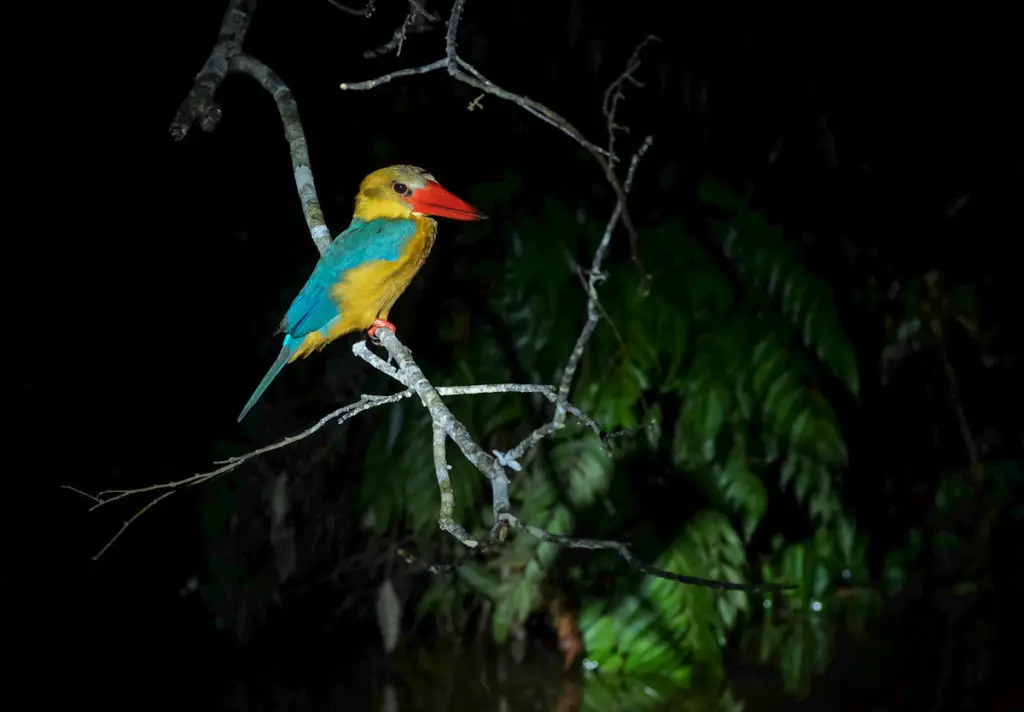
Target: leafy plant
point(720, 363)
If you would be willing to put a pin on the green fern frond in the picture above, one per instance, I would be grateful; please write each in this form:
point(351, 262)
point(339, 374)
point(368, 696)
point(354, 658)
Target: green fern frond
point(524, 564)
point(665, 627)
point(767, 260)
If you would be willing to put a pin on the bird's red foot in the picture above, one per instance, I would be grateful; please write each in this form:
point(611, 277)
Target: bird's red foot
point(380, 324)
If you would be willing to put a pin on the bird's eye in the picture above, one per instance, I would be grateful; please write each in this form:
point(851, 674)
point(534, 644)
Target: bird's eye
point(400, 188)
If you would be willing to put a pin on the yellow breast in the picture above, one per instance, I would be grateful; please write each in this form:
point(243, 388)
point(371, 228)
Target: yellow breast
point(369, 291)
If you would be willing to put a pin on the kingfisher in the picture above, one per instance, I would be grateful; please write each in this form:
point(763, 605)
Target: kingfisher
point(367, 267)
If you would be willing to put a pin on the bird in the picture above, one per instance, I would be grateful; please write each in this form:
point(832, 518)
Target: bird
point(357, 280)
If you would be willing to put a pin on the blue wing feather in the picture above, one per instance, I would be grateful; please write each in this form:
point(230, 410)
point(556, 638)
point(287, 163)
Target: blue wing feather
point(363, 241)
point(313, 309)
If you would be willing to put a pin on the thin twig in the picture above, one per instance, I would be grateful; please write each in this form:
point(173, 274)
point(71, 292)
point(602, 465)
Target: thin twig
point(624, 550)
point(358, 12)
point(413, 71)
point(361, 350)
point(128, 522)
point(417, 21)
point(476, 553)
point(365, 403)
point(613, 94)
point(444, 483)
point(621, 548)
point(596, 275)
point(340, 415)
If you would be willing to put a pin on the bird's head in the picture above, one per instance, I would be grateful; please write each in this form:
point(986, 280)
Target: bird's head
point(405, 191)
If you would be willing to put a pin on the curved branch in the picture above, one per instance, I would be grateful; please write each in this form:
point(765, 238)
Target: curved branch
point(297, 146)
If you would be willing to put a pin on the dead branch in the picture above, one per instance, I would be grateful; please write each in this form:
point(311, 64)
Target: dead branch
point(593, 305)
point(358, 12)
point(417, 21)
point(613, 94)
point(244, 64)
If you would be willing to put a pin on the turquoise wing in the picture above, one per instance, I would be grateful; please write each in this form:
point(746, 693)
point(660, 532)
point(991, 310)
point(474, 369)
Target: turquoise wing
point(363, 241)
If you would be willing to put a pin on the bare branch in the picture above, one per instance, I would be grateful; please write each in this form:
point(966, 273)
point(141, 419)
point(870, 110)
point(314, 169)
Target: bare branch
point(169, 488)
point(620, 548)
point(596, 275)
point(199, 104)
point(451, 37)
point(475, 79)
point(128, 522)
point(510, 458)
point(364, 12)
point(417, 21)
point(373, 83)
point(361, 350)
point(365, 403)
point(444, 483)
point(613, 94)
point(418, 7)
point(296, 137)
point(624, 550)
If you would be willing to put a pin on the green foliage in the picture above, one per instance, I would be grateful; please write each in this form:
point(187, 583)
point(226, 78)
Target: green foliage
point(404, 484)
point(797, 631)
point(719, 367)
point(583, 468)
point(634, 692)
point(604, 693)
point(664, 628)
point(524, 565)
point(230, 575)
point(767, 260)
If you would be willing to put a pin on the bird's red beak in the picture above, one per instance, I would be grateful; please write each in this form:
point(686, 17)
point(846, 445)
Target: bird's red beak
point(432, 199)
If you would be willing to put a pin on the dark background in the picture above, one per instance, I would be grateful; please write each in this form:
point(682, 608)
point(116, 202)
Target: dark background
point(144, 277)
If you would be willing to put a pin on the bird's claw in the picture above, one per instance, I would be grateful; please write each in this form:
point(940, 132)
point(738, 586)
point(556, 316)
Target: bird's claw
point(380, 324)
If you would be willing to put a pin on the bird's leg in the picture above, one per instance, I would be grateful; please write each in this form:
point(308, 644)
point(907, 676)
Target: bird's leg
point(381, 324)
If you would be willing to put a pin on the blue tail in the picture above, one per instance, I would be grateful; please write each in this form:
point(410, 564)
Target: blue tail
point(282, 359)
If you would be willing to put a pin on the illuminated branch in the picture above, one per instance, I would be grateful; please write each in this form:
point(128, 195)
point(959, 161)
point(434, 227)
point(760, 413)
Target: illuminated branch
point(417, 21)
point(296, 137)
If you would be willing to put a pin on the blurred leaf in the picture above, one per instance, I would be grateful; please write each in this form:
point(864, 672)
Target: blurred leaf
point(720, 195)
point(743, 489)
point(490, 195)
point(666, 627)
point(585, 467)
point(389, 615)
point(767, 261)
